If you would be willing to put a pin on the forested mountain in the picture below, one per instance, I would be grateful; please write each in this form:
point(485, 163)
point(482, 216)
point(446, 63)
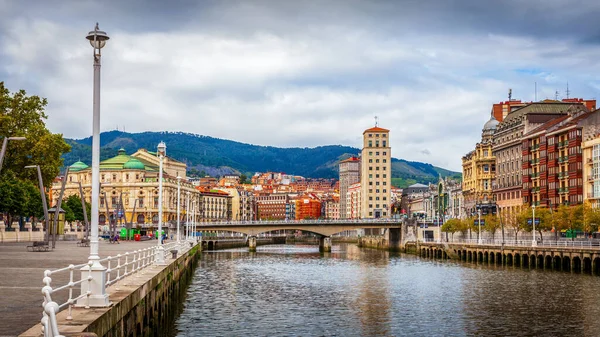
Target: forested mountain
point(219, 156)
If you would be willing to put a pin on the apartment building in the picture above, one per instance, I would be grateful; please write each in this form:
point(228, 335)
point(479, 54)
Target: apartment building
point(376, 173)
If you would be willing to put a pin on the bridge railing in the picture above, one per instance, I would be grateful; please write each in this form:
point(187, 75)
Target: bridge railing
point(301, 222)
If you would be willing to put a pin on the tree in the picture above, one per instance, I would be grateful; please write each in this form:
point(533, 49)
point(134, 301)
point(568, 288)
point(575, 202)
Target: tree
point(24, 116)
point(451, 226)
point(13, 200)
point(492, 223)
point(518, 221)
point(591, 217)
point(243, 179)
point(73, 202)
point(569, 218)
point(34, 206)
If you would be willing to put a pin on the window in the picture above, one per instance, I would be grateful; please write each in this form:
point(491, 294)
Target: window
point(385, 175)
point(370, 135)
point(371, 160)
point(370, 183)
point(377, 160)
point(370, 153)
point(377, 176)
point(370, 143)
point(370, 205)
point(370, 176)
point(385, 160)
point(377, 153)
point(370, 168)
point(384, 153)
point(370, 198)
point(376, 168)
point(384, 143)
point(114, 177)
point(384, 135)
point(377, 135)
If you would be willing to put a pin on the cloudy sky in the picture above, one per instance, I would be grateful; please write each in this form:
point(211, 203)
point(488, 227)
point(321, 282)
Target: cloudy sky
point(301, 73)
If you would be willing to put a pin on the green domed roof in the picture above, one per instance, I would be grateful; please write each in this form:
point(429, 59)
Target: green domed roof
point(78, 166)
point(134, 164)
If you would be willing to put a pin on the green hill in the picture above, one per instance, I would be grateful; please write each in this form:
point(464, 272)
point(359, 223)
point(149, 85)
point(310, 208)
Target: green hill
point(219, 156)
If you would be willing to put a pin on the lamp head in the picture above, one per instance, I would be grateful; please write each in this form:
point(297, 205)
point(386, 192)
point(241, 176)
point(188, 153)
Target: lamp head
point(97, 38)
point(31, 166)
point(162, 149)
point(16, 138)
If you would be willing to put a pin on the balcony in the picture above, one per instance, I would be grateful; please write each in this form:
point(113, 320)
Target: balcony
point(534, 161)
point(563, 190)
point(562, 175)
point(535, 189)
point(592, 196)
point(535, 175)
point(563, 144)
point(563, 159)
point(534, 147)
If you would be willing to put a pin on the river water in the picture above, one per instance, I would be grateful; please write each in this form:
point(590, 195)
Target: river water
point(293, 290)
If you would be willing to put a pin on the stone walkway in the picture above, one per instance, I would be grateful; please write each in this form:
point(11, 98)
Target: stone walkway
point(22, 273)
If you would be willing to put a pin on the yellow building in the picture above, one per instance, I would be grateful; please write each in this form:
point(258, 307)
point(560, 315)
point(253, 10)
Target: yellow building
point(133, 181)
point(591, 170)
point(479, 169)
point(376, 173)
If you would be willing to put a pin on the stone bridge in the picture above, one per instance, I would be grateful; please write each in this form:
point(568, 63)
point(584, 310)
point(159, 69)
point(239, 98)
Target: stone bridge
point(324, 228)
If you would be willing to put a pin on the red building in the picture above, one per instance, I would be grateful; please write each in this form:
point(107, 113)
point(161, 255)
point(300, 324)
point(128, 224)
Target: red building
point(552, 158)
point(271, 206)
point(308, 207)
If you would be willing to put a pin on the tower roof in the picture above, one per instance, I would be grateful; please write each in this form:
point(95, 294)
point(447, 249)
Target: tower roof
point(78, 166)
point(376, 129)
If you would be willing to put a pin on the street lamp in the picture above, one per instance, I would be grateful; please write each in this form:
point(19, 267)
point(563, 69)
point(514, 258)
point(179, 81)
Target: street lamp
point(479, 224)
point(533, 242)
point(4, 145)
point(178, 206)
point(162, 149)
point(187, 217)
point(97, 286)
point(43, 195)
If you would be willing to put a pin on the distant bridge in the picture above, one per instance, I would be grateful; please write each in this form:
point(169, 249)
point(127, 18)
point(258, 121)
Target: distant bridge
point(325, 228)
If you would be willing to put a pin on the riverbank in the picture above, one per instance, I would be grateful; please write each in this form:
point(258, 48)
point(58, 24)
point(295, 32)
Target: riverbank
point(142, 304)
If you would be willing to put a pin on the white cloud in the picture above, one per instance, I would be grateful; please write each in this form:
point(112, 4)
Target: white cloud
point(284, 79)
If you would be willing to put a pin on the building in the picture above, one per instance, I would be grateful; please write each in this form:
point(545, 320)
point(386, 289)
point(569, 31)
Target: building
point(507, 148)
point(331, 207)
point(129, 188)
point(235, 202)
point(354, 201)
point(591, 167)
point(553, 167)
point(271, 206)
point(247, 210)
point(479, 170)
point(308, 206)
point(214, 205)
point(376, 173)
point(349, 174)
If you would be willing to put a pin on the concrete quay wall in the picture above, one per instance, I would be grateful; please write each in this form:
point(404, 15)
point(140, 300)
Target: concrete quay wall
point(144, 305)
point(575, 260)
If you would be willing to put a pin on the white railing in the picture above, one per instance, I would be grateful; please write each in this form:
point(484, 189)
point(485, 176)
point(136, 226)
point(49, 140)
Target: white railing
point(592, 244)
point(118, 268)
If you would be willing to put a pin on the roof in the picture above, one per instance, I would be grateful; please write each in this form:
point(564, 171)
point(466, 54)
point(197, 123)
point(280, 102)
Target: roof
point(546, 125)
point(544, 107)
point(376, 129)
point(78, 166)
point(351, 159)
point(417, 185)
point(118, 162)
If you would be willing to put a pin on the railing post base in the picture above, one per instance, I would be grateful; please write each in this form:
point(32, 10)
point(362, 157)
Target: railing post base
point(96, 285)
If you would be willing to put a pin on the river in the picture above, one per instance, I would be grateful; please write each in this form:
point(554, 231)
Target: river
point(293, 290)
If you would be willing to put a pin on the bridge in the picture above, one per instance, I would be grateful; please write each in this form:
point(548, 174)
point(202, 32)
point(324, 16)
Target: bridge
point(324, 228)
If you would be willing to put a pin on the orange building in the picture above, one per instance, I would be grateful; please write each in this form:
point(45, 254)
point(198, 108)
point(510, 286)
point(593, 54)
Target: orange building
point(308, 207)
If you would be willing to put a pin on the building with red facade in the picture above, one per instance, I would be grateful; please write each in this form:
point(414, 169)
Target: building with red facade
point(271, 206)
point(308, 206)
point(552, 158)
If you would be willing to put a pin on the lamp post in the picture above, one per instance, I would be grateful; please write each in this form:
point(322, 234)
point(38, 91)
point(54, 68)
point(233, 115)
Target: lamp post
point(160, 254)
point(187, 217)
point(4, 145)
point(479, 224)
point(533, 242)
point(97, 286)
point(44, 204)
point(178, 206)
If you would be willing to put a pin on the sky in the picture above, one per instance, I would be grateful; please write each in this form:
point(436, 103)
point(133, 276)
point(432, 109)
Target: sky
point(301, 73)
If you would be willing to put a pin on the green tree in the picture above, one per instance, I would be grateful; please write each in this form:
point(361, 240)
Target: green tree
point(591, 218)
point(34, 206)
point(492, 223)
point(243, 179)
point(517, 221)
point(569, 218)
point(13, 196)
point(451, 226)
point(24, 116)
point(73, 202)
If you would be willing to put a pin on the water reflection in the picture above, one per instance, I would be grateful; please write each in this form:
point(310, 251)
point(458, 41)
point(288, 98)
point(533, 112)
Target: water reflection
point(294, 290)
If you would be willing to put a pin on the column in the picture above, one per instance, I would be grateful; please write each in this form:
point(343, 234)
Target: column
point(325, 244)
point(252, 243)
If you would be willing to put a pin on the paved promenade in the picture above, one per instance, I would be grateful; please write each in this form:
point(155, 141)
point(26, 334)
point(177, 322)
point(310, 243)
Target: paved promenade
point(22, 273)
